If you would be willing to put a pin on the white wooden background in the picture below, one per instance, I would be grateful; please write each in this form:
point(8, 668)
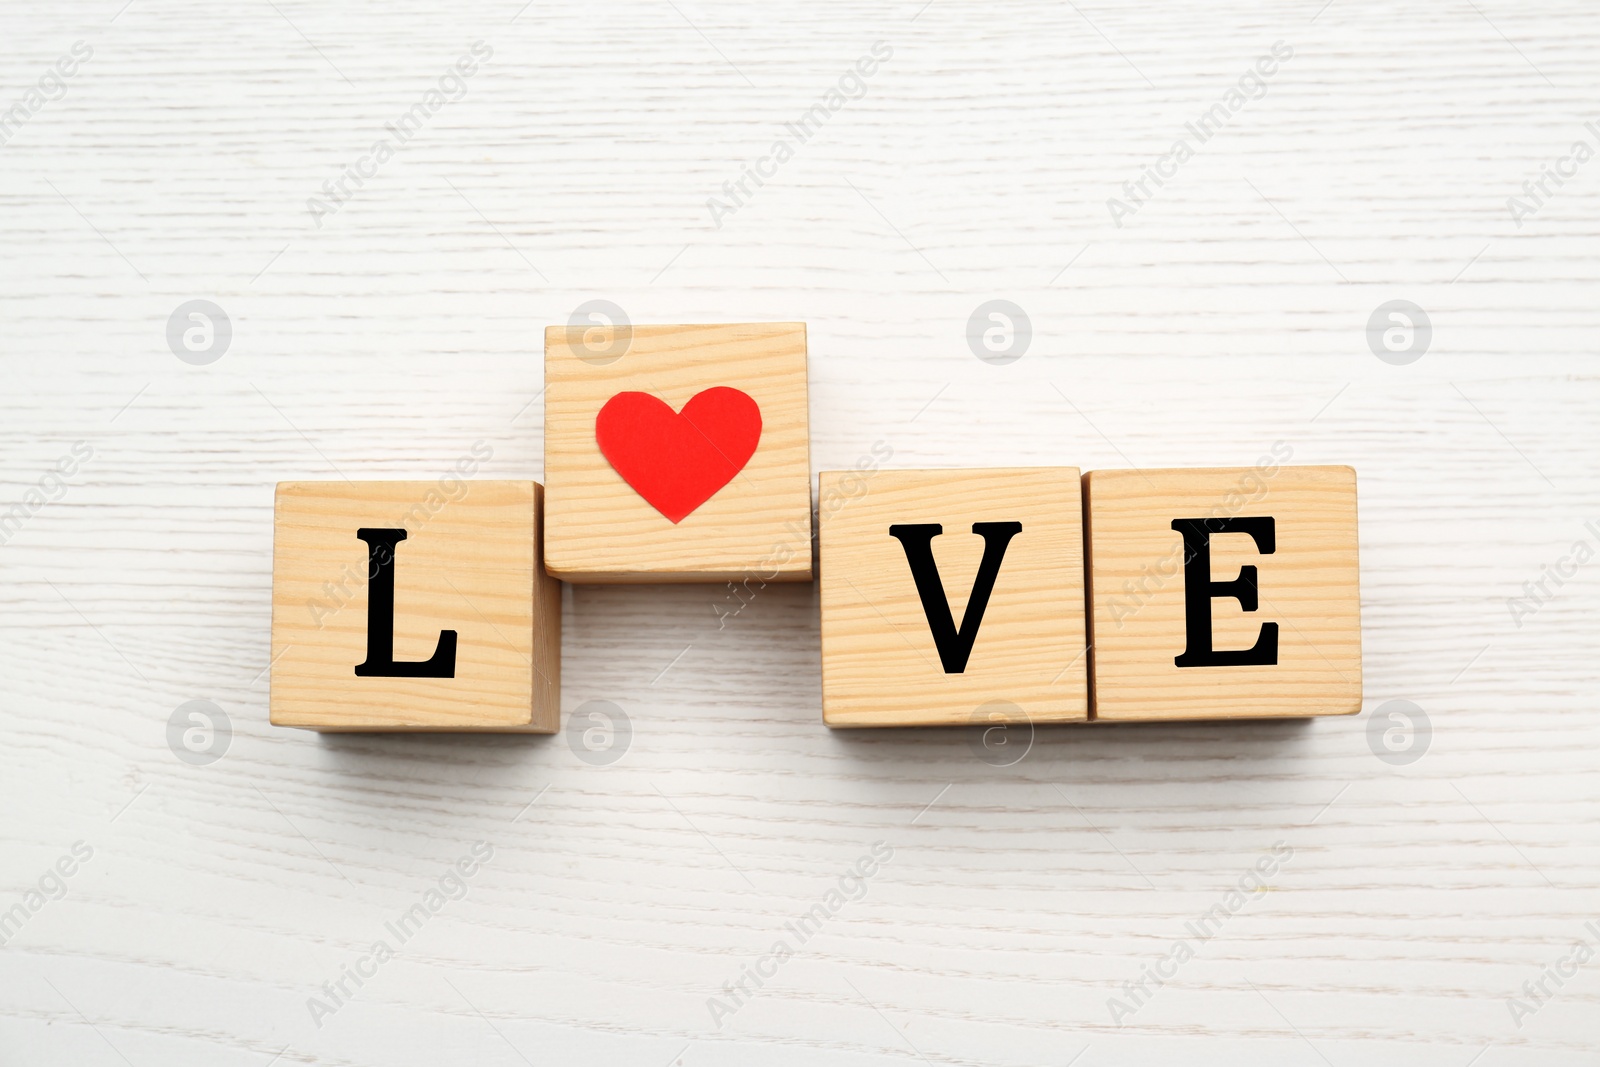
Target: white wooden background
point(1227, 314)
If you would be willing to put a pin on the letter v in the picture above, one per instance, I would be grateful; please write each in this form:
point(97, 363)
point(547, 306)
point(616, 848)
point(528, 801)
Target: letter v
point(917, 539)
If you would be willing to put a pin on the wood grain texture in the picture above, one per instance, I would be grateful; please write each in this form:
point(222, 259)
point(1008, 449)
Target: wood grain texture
point(880, 663)
point(1307, 590)
point(758, 526)
point(469, 564)
point(1227, 314)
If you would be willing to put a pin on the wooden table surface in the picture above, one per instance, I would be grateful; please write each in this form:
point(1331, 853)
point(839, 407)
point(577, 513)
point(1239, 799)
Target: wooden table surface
point(1426, 879)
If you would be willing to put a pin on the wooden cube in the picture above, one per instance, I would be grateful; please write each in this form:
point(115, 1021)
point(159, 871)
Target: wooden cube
point(677, 453)
point(947, 594)
point(413, 606)
point(1223, 593)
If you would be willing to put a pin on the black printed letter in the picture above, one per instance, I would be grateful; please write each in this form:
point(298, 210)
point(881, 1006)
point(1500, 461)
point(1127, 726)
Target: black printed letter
point(380, 618)
point(917, 539)
point(1199, 590)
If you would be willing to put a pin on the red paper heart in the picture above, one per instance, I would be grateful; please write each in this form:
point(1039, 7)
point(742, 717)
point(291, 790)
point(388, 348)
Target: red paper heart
point(677, 460)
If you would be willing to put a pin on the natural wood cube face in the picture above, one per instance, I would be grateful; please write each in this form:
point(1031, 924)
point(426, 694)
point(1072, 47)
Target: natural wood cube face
point(452, 626)
point(908, 638)
point(677, 453)
point(1223, 593)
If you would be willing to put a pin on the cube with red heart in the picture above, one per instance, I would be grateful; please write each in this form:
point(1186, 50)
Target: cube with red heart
point(678, 454)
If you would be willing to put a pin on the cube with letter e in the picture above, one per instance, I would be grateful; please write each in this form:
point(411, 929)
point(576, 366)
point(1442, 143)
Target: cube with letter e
point(1222, 593)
